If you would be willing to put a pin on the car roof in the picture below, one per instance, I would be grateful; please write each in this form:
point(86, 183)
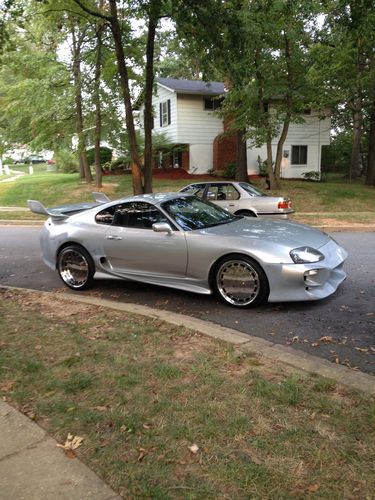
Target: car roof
point(215, 182)
point(155, 198)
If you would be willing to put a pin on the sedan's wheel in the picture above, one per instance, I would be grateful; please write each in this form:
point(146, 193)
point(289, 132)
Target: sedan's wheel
point(75, 267)
point(241, 282)
point(246, 213)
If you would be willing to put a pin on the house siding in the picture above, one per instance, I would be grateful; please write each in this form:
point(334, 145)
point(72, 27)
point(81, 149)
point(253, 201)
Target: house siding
point(313, 133)
point(170, 131)
point(191, 124)
point(195, 124)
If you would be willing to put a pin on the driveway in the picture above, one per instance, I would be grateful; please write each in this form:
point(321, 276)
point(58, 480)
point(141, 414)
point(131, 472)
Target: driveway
point(340, 328)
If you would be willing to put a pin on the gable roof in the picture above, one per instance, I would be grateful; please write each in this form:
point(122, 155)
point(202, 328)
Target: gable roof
point(197, 87)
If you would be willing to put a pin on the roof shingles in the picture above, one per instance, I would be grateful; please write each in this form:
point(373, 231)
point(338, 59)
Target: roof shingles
point(192, 86)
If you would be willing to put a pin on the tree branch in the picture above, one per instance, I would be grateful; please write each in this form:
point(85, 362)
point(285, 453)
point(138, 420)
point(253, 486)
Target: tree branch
point(94, 13)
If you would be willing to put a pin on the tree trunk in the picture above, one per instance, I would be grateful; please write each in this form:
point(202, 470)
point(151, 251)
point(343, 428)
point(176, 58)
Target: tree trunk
point(96, 97)
point(355, 164)
point(84, 166)
point(124, 82)
point(279, 152)
point(273, 184)
point(241, 174)
point(370, 176)
point(148, 115)
point(265, 121)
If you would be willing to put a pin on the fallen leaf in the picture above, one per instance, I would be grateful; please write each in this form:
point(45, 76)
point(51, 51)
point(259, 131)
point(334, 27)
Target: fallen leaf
point(313, 488)
point(7, 386)
point(71, 443)
point(361, 349)
point(327, 339)
point(194, 448)
point(142, 454)
point(315, 344)
point(100, 408)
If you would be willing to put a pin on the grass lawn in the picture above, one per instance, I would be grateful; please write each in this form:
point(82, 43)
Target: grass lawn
point(335, 198)
point(141, 393)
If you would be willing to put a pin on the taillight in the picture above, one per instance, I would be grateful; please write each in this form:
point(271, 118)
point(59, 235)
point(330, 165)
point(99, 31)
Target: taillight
point(285, 204)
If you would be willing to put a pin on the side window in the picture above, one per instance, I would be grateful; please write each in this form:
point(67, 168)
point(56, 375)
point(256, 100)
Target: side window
point(221, 192)
point(195, 189)
point(137, 214)
point(105, 216)
point(230, 192)
point(299, 155)
point(165, 113)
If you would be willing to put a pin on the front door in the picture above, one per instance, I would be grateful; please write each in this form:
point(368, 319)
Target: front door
point(132, 247)
point(224, 194)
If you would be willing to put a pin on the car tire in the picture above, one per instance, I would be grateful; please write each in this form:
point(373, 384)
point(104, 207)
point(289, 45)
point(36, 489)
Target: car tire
point(246, 213)
point(75, 267)
point(240, 282)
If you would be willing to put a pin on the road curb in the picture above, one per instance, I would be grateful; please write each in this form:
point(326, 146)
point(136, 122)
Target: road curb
point(343, 375)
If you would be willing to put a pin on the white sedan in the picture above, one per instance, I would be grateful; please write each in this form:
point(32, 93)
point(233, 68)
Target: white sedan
point(241, 198)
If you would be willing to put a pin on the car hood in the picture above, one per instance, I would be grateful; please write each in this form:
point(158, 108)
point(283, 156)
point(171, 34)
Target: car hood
point(279, 231)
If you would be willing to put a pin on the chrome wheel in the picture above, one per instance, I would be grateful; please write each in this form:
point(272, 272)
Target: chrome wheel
point(75, 267)
point(239, 282)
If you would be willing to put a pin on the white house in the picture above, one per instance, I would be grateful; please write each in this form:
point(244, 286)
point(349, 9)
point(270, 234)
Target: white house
point(184, 111)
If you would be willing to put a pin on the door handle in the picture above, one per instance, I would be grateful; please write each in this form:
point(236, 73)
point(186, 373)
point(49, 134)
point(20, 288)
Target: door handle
point(111, 237)
point(231, 204)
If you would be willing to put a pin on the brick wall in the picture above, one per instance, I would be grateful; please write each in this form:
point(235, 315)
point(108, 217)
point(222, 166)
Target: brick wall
point(224, 151)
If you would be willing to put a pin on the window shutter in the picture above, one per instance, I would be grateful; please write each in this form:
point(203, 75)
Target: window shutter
point(161, 114)
point(169, 111)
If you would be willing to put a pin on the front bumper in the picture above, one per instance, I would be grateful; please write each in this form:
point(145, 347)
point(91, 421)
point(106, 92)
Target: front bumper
point(303, 282)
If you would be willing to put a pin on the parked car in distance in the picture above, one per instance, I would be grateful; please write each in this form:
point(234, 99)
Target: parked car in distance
point(241, 198)
point(180, 241)
point(31, 159)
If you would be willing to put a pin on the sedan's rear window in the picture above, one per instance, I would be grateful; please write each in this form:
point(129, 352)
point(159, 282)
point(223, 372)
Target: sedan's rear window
point(251, 190)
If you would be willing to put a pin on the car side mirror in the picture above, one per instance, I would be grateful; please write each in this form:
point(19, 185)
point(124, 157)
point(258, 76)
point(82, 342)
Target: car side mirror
point(162, 227)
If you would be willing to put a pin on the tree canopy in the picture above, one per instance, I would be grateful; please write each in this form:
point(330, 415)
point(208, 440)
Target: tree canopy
point(77, 68)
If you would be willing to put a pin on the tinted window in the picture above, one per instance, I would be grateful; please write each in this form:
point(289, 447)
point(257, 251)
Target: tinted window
point(105, 216)
point(133, 214)
point(192, 213)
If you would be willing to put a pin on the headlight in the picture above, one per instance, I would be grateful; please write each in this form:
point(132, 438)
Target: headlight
point(305, 255)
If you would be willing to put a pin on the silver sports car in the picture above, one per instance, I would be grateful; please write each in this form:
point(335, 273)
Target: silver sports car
point(183, 242)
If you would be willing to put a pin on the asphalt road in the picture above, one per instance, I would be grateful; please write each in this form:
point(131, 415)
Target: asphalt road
point(340, 328)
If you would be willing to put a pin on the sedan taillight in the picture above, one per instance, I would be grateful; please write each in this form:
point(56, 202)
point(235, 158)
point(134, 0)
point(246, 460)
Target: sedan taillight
point(285, 204)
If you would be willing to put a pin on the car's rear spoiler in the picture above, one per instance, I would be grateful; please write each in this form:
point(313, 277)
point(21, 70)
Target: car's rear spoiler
point(65, 211)
point(101, 197)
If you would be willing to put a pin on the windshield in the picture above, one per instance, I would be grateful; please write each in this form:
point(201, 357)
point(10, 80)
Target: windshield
point(192, 213)
point(252, 190)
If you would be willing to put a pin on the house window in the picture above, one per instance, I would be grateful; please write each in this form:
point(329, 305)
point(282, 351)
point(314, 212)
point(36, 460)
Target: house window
point(165, 113)
point(211, 103)
point(299, 155)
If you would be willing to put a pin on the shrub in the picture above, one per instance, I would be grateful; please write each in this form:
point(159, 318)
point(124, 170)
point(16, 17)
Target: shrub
point(230, 171)
point(121, 163)
point(105, 155)
point(311, 176)
point(66, 161)
point(8, 161)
